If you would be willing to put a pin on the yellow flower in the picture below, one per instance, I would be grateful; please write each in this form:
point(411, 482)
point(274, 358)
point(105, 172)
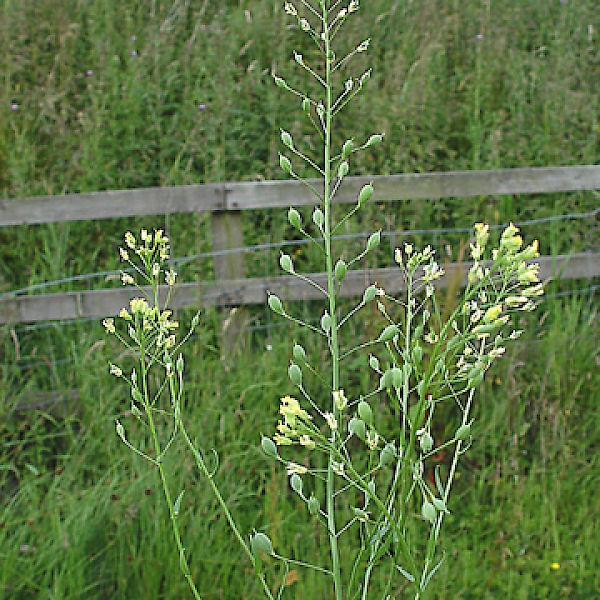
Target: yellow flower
point(555, 566)
point(290, 409)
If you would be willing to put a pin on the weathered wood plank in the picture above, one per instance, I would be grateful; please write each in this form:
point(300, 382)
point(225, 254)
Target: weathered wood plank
point(102, 303)
point(273, 194)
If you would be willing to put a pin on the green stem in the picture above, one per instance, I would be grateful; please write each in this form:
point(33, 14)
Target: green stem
point(331, 289)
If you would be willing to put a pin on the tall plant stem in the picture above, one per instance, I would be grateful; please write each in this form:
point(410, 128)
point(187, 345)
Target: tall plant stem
point(331, 290)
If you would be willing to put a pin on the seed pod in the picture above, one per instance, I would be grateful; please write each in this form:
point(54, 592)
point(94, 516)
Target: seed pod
point(388, 333)
point(299, 353)
point(261, 542)
point(285, 164)
point(428, 512)
point(318, 217)
point(375, 139)
point(365, 194)
point(365, 412)
point(296, 483)
point(440, 505)
point(280, 82)
point(268, 446)
point(294, 218)
point(347, 148)
point(463, 432)
point(373, 362)
point(314, 506)
point(326, 322)
point(343, 169)
point(369, 294)
point(275, 304)
point(286, 263)
point(357, 427)
point(340, 269)
point(387, 455)
point(373, 241)
point(426, 442)
point(286, 138)
point(295, 374)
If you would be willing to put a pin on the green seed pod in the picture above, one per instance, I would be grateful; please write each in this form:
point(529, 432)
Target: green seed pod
point(285, 164)
point(428, 512)
point(417, 354)
point(340, 269)
point(440, 505)
point(475, 382)
point(369, 294)
point(365, 413)
point(280, 82)
point(314, 506)
point(357, 427)
point(180, 364)
point(375, 139)
point(418, 333)
point(294, 218)
point(275, 304)
point(373, 241)
point(299, 353)
point(387, 455)
point(318, 218)
point(326, 322)
point(347, 148)
point(296, 483)
point(306, 105)
point(373, 362)
point(365, 194)
point(267, 445)
point(388, 333)
point(286, 138)
point(463, 432)
point(396, 377)
point(343, 169)
point(295, 374)
point(426, 442)
point(286, 263)
point(259, 542)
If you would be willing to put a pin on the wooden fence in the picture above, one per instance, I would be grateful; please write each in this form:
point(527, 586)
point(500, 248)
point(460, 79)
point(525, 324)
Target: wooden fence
point(226, 200)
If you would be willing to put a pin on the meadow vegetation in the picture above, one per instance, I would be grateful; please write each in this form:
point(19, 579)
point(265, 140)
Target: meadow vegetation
point(105, 96)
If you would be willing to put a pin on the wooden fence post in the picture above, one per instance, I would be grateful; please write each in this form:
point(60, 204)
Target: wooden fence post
point(227, 234)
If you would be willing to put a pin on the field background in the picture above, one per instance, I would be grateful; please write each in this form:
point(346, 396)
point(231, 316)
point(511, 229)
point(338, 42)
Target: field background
point(102, 95)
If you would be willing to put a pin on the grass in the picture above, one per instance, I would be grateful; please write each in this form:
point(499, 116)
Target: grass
point(111, 97)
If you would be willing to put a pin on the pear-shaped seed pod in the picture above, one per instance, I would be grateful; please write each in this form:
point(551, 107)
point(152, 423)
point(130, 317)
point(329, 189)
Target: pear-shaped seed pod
point(428, 512)
point(268, 446)
point(365, 412)
point(261, 542)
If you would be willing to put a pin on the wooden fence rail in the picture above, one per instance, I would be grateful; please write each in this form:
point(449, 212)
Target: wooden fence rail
point(226, 200)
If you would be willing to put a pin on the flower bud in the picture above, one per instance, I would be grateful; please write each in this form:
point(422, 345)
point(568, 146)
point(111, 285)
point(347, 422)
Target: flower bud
point(286, 263)
point(428, 512)
point(365, 194)
point(285, 164)
point(296, 483)
point(260, 542)
point(340, 269)
point(365, 412)
point(314, 506)
point(299, 353)
point(268, 446)
point(343, 169)
point(388, 333)
point(295, 374)
point(374, 240)
point(294, 218)
point(275, 304)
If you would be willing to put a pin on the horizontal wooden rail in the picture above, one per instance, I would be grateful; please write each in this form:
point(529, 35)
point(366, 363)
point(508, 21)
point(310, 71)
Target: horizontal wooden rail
point(236, 292)
point(272, 194)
